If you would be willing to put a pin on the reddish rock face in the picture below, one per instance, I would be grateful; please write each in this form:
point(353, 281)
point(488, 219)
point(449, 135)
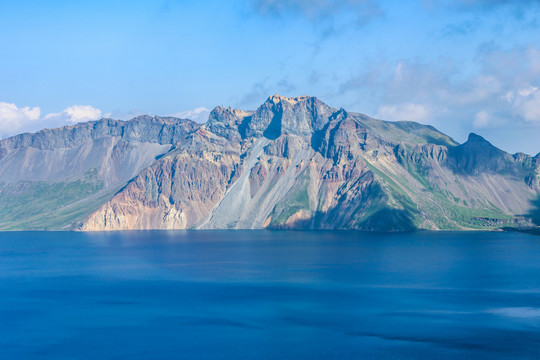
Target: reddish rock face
point(256, 178)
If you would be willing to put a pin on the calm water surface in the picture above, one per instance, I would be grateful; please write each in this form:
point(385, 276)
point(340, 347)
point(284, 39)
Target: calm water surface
point(269, 295)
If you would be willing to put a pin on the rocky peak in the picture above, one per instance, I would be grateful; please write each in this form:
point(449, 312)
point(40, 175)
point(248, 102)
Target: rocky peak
point(223, 115)
point(226, 122)
point(339, 115)
point(288, 115)
point(478, 155)
point(136, 118)
point(477, 139)
point(276, 98)
point(477, 144)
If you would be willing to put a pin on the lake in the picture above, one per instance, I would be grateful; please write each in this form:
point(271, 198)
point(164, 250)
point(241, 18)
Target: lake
point(269, 295)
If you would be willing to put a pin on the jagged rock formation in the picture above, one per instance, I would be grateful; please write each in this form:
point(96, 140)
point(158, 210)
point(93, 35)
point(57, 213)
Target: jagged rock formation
point(298, 163)
point(292, 163)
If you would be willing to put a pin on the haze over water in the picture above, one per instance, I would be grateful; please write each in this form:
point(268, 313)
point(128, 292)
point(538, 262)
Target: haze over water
point(269, 295)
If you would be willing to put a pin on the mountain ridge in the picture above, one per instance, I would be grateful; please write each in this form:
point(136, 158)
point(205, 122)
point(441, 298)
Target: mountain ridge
point(296, 162)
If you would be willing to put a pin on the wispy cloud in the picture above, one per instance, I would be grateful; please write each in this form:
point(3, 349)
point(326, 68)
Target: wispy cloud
point(15, 120)
point(122, 115)
point(477, 14)
point(315, 10)
point(504, 92)
point(491, 4)
point(526, 102)
point(461, 28)
point(256, 95)
point(482, 119)
point(263, 88)
point(483, 5)
point(323, 14)
point(199, 114)
point(405, 111)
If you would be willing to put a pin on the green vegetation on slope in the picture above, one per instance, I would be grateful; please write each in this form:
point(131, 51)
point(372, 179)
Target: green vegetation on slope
point(403, 203)
point(450, 213)
point(38, 205)
point(405, 131)
point(297, 199)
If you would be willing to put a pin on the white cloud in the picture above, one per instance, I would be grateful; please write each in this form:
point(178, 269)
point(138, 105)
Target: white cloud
point(75, 114)
point(405, 111)
point(528, 90)
point(199, 114)
point(530, 107)
point(502, 93)
point(320, 10)
point(481, 119)
point(398, 72)
point(525, 103)
point(14, 119)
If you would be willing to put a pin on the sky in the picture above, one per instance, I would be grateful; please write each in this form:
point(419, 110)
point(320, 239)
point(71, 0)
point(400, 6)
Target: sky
point(462, 65)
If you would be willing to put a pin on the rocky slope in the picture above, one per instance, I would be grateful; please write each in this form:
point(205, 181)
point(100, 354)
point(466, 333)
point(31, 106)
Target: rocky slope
point(54, 178)
point(299, 163)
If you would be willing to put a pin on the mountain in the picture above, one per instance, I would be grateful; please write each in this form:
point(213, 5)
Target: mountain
point(292, 163)
point(54, 178)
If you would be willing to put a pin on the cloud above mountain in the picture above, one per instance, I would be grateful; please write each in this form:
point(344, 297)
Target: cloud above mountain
point(504, 91)
point(460, 65)
point(408, 111)
point(199, 114)
point(13, 118)
point(75, 114)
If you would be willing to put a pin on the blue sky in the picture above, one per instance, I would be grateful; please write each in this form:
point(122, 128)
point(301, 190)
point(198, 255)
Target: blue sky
point(462, 66)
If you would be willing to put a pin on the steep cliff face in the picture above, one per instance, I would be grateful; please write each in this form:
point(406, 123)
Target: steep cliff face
point(67, 173)
point(298, 163)
point(176, 192)
point(116, 150)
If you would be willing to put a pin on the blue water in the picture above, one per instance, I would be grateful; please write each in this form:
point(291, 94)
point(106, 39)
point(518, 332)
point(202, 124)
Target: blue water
point(269, 295)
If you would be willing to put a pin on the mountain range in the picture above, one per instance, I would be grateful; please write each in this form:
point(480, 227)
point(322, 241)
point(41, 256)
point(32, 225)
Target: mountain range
point(295, 163)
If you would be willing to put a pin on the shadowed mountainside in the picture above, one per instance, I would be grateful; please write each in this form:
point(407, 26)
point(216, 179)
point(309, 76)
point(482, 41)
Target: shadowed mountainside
point(534, 213)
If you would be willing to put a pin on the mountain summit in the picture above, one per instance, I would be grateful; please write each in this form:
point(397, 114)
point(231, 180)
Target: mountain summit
point(295, 162)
